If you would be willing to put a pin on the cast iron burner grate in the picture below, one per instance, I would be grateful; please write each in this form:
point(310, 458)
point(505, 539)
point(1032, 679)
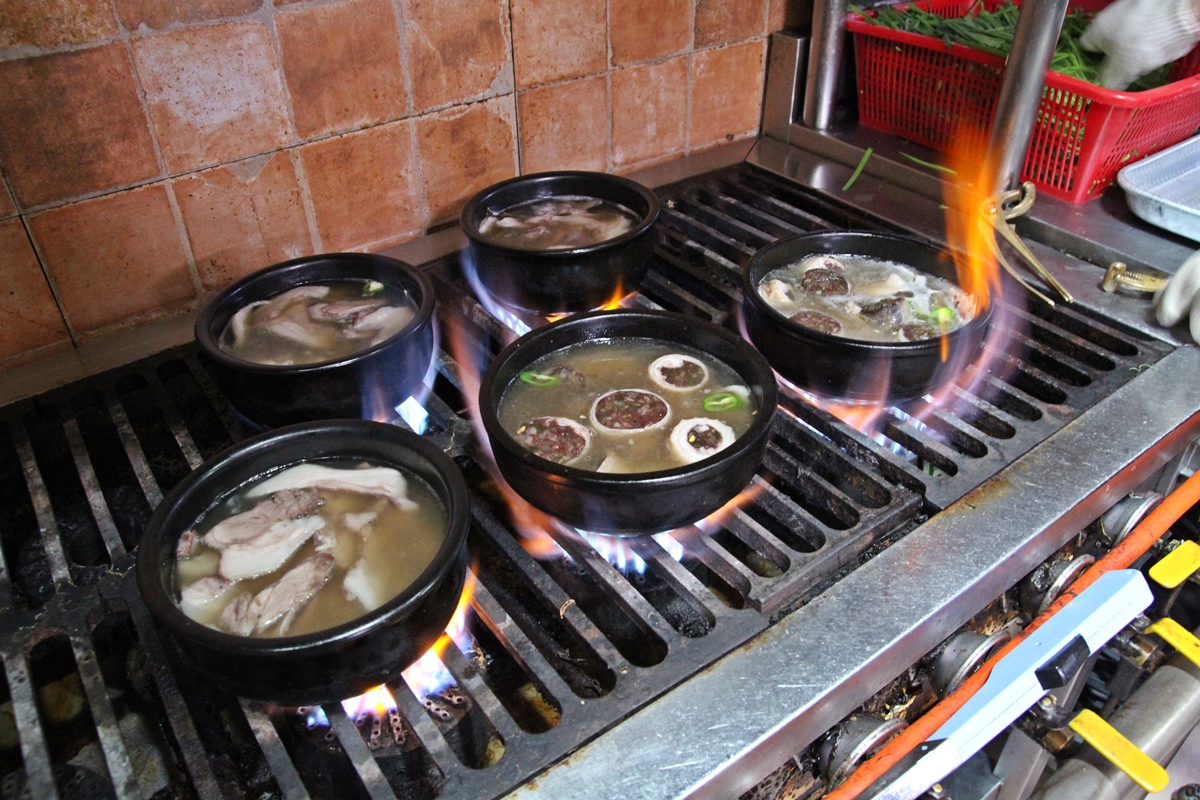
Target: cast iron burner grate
point(93, 702)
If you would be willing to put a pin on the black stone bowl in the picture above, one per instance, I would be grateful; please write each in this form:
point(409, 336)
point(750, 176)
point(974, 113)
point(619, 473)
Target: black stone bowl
point(338, 662)
point(848, 368)
point(574, 279)
point(639, 503)
point(370, 382)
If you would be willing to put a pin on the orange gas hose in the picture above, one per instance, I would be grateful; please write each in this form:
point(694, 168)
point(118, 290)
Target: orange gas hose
point(1139, 540)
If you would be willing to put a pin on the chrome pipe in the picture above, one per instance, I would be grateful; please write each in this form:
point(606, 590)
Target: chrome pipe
point(1038, 26)
point(825, 62)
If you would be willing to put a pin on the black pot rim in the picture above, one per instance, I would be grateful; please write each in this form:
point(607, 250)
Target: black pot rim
point(400, 606)
point(467, 221)
point(750, 292)
point(573, 475)
point(211, 349)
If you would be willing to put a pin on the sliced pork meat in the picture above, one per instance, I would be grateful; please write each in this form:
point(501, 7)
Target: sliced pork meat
point(201, 594)
point(284, 504)
point(187, 545)
point(282, 600)
point(237, 616)
point(294, 325)
point(347, 312)
point(282, 302)
point(377, 481)
point(381, 324)
point(238, 323)
point(268, 551)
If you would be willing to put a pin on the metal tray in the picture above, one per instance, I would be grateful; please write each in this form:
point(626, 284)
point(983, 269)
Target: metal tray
point(1164, 189)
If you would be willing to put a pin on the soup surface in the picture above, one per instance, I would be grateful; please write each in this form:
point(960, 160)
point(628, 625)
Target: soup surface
point(627, 405)
point(867, 299)
point(316, 323)
point(558, 222)
point(307, 548)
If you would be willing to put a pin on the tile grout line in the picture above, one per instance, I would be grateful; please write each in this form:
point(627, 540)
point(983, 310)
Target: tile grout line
point(293, 150)
point(37, 253)
point(518, 145)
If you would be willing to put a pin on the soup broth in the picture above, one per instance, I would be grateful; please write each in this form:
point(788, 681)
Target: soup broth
point(627, 405)
point(558, 222)
point(315, 323)
point(352, 548)
point(866, 299)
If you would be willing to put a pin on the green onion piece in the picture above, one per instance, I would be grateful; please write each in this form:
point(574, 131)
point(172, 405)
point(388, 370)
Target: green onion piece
point(943, 316)
point(858, 170)
point(372, 287)
point(929, 164)
point(722, 401)
point(539, 379)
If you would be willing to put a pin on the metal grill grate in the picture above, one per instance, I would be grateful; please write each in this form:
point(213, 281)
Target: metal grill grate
point(562, 649)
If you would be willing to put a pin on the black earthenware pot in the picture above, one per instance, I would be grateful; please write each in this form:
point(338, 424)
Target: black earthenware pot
point(575, 279)
point(847, 368)
point(639, 503)
point(339, 662)
point(368, 384)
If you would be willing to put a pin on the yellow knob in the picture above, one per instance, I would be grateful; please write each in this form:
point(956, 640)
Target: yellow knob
point(1178, 637)
point(1122, 753)
point(1176, 566)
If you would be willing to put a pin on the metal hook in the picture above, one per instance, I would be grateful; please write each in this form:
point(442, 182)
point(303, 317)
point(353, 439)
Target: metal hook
point(999, 211)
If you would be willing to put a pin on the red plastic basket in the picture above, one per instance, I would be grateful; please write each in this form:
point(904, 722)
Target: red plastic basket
point(913, 86)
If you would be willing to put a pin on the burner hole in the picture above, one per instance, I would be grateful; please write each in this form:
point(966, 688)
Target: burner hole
point(57, 464)
point(631, 635)
point(1031, 384)
point(122, 492)
point(530, 705)
point(832, 512)
point(682, 612)
point(758, 563)
point(63, 711)
point(782, 519)
point(1078, 324)
point(130, 686)
point(158, 443)
point(20, 538)
point(471, 735)
point(198, 414)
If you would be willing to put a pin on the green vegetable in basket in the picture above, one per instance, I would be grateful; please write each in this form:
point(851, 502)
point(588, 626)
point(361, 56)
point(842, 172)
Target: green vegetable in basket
point(992, 32)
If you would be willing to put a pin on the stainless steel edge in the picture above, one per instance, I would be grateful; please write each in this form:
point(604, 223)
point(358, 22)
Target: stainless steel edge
point(725, 729)
point(785, 76)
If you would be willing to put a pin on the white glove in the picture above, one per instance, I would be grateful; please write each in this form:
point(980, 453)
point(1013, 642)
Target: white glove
point(1181, 297)
point(1139, 36)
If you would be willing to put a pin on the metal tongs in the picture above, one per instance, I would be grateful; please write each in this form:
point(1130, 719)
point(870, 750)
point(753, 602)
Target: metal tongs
point(999, 211)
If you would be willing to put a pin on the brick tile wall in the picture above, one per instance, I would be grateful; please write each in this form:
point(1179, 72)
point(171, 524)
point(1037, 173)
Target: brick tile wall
point(152, 151)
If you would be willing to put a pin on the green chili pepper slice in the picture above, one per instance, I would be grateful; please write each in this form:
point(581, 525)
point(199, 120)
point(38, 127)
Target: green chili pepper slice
point(372, 287)
point(539, 379)
point(943, 316)
point(722, 401)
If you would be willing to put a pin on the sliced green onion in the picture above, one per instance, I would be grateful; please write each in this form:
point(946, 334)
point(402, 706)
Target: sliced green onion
point(858, 170)
point(722, 401)
point(539, 379)
point(929, 164)
point(372, 287)
point(943, 316)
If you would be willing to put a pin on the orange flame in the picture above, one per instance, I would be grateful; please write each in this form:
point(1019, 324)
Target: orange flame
point(377, 701)
point(617, 300)
point(718, 518)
